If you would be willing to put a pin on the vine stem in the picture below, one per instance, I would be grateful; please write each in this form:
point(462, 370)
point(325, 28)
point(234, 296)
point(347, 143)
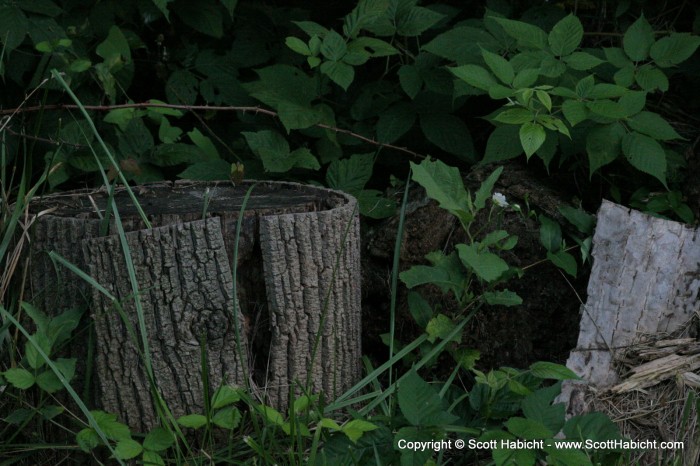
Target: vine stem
point(193, 108)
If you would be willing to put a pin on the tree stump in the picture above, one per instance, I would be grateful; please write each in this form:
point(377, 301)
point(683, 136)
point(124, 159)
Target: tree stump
point(298, 288)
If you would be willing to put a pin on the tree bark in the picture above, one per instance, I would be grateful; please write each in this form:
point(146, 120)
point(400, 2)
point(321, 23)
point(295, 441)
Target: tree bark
point(298, 286)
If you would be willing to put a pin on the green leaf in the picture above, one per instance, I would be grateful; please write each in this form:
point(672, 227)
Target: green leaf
point(372, 46)
point(515, 116)
point(362, 16)
point(410, 80)
point(127, 449)
point(340, 73)
point(440, 327)
point(420, 309)
point(447, 273)
point(151, 458)
point(582, 220)
point(486, 188)
point(374, 204)
point(645, 154)
point(203, 16)
point(298, 45)
point(532, 136)
point(582, 61)
point(591, 426)
point(114, 49)
point(395, 122)
point(204, 143)
point(352, 174)
point(227, 418)
point(526, 78)
point(574, 111)
point(486, 265)
point(13, 28)
point(49, 382)
point(271, 147)
point(550, 234)
point(328, 424)
point(585, 87)
point(159, 439)
point(651, 78)
point(194, 421)
point(417, 21)
point(312, 28)
point(51, 411)
point(87, 439)
point(271, 415)
point(503, 144)
point(449, 133)
point(654, 125)
point(333, 46)
point(603, 145)
point(528, 429)
point(499, 66)
point(420, 403)
point(182, 88)
point(296, 116)
point(356, 428)
point(207, 170)
point(527, 35)
point(230, 6)
point(607, 91)
point(674, 49)
point(617, 57)
point(113, 429)
point(168, 134)
point(163, 7)
point(474, 76)
point(502, 298)
point(43, 7)
point(564, 261)
point(550, 370)
point(462, 45)
point(638, 39)
point(538, 407)
point(136, 139)
point(633, 102)
point(443, 184)
point(19, 378)
point(168, 155)
point(225, 396)
point(565, 36)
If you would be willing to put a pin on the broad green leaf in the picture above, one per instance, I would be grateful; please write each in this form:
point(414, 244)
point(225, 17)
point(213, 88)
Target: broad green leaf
point(328, 424)
point(591, 426)
point(417, 21)
point(603, 145)
point(633, 102)
point(127, 449)
point(500, 67)
point(674, 49)
point(544, 99)
point(51, 411)
point(585, 86)
point(410, 80)
point(87, 439)
point(617, 57)
point(43, 7)
point(567, 457)
point(515, 116)
point(372, 46)
point(351, 174)
point(551, 67)
point(532, 136)
point(462, 45)
point(271, 147)
point(443, 184)
point(158, 439)
point(114, 49)
point(340, 73)
point(526, 78)
point(420, 403)
point(362, 16)
point(550, 370)
point(297, 116)
point(203, 15)
point(651, 78)
point(312, 28)
point(654, 125)
point(298, 45)
point(486, 188)
point(209, 170)
point(575, 111)
point(538, 407)
point(565, 36)
point(503, 144)
point(168, 155)
point(113, 429)
point(227, 418)
point(356, 428)
point(624, 76)
point(486, 265)
point(564, 261)
point(271, 415)
point(121, 117)
point(502, 298)
point(230, 6)
point(550, 234)
point(395, 122)
point(225, 396)
point(447, 274)
point(528, 429)
point(645, 154)
point(19, 378)
point(333, 46)
point(374, 204)
point(13, 28)
point(49, 382)
point(527, 35)
point(168, 134)
point(449, 133)
point(151, 458)
point(182, 88)
point(420, 309)
point(638, 39)
point(607, 91)
point(136, 139)
point(204, 143)
point(475, 76)
point(193, 421)
point(440, 326)
point(582, 220)
point(582, 61)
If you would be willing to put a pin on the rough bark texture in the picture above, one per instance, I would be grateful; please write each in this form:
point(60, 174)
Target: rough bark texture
point(298, 251)
point(312, 285)
point(186, 291)
point(645, 280)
